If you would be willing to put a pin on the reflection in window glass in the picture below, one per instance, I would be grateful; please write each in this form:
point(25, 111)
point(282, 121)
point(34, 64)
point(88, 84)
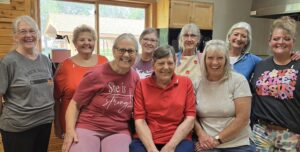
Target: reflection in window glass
point(59, 17)
point(115, 20)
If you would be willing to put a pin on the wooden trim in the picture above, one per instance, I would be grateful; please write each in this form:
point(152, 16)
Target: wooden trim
point(97, 22)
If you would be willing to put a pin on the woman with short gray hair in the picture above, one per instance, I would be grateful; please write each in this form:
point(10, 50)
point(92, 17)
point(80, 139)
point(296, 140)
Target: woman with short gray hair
point(158, 127)
point(27, 88)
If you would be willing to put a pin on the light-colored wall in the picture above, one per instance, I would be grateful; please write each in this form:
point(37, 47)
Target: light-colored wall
point(229, 12)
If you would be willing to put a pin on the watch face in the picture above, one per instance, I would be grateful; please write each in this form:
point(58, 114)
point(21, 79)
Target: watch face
point(217, 137)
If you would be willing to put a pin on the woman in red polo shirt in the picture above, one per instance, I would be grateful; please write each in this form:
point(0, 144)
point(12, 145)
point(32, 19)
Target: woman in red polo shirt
point(164, 108)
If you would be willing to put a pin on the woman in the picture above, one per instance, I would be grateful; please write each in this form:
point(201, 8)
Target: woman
point(226, 127)
point(158, 127)
point(149, 42)
point(97, 115)
point(84, 38)
point(27, 87)
point(239, 38)
point(188, 58)
point(277, 92)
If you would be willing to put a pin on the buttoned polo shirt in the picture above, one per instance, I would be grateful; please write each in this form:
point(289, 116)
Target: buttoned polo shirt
point(164, 109)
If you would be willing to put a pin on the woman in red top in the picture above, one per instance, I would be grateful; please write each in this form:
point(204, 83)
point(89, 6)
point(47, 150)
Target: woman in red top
point(71, 72)
point(164, 108)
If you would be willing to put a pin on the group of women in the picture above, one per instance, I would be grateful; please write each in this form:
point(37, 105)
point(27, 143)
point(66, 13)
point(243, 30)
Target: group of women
point(181, 102)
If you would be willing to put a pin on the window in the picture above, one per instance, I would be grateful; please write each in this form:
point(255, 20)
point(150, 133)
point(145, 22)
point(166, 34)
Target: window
point(60, 18)
point(115, 20)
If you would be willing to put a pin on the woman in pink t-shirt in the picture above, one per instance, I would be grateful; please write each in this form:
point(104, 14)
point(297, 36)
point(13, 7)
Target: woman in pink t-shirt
point(98, 114)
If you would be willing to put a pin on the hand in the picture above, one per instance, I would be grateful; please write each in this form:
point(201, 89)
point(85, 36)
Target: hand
point(295, 56)
point(206, 142)
point(168, 148)
point(70, 137)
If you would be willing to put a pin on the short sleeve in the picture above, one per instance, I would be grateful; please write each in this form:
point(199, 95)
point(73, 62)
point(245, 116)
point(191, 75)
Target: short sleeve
point(88, 87)
point(241, 87)
point(3, 77)
point(139, 106)
point(190, 107)
point(60, 81)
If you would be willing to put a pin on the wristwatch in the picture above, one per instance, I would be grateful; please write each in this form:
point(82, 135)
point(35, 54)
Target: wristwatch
point(217, 137)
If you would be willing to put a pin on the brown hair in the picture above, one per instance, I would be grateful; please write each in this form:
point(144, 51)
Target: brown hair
point(164, 51)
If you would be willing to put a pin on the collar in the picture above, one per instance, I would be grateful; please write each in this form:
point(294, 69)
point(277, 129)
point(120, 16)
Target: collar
point(174, 81)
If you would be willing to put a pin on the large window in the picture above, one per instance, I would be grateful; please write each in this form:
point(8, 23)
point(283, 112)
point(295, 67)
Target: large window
point(115, 20)
point(61, 17)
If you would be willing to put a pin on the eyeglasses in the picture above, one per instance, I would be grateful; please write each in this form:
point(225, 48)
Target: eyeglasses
point(24, 32)
point(123, 50)
point(150, 40)
point(189, 35)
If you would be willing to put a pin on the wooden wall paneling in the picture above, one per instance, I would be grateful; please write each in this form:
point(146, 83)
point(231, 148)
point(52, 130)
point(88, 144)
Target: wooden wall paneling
point(6, 40)
point(8, 13)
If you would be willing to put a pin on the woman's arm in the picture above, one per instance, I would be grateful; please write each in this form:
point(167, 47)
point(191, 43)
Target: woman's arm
point(205, 141)
point(242, 115)
point(57, 128)
point(181, 132)
point(72, 116)
point(145, 135)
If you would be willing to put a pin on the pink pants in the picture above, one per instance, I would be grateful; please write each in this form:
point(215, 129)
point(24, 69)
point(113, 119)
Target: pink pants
point(92, 141)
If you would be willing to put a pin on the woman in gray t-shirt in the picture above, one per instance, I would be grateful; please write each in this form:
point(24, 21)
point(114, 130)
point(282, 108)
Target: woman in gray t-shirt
point(27, 88)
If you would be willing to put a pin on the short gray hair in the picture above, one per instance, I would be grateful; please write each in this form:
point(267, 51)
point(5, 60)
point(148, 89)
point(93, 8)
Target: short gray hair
point(148, 31)
point(215, 46)
point(164, 51)
point(128, 36)
point(28, 20)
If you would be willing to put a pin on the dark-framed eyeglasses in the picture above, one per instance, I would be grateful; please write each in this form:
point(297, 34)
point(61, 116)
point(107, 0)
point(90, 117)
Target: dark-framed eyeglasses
point(129, 51)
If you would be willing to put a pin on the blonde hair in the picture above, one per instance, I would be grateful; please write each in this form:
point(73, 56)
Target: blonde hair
point(286, 23)
point(191, 27)
point(81, 29)
point(215, 46)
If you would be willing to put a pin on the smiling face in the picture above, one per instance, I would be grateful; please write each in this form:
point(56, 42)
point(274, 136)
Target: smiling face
point(124, 59)
point(239, 38)
point(215, 64)
point(26, 37)
point(164, 69)
point(190, 41)
point(149, 43)
point(281, 42)
point(85, 43)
